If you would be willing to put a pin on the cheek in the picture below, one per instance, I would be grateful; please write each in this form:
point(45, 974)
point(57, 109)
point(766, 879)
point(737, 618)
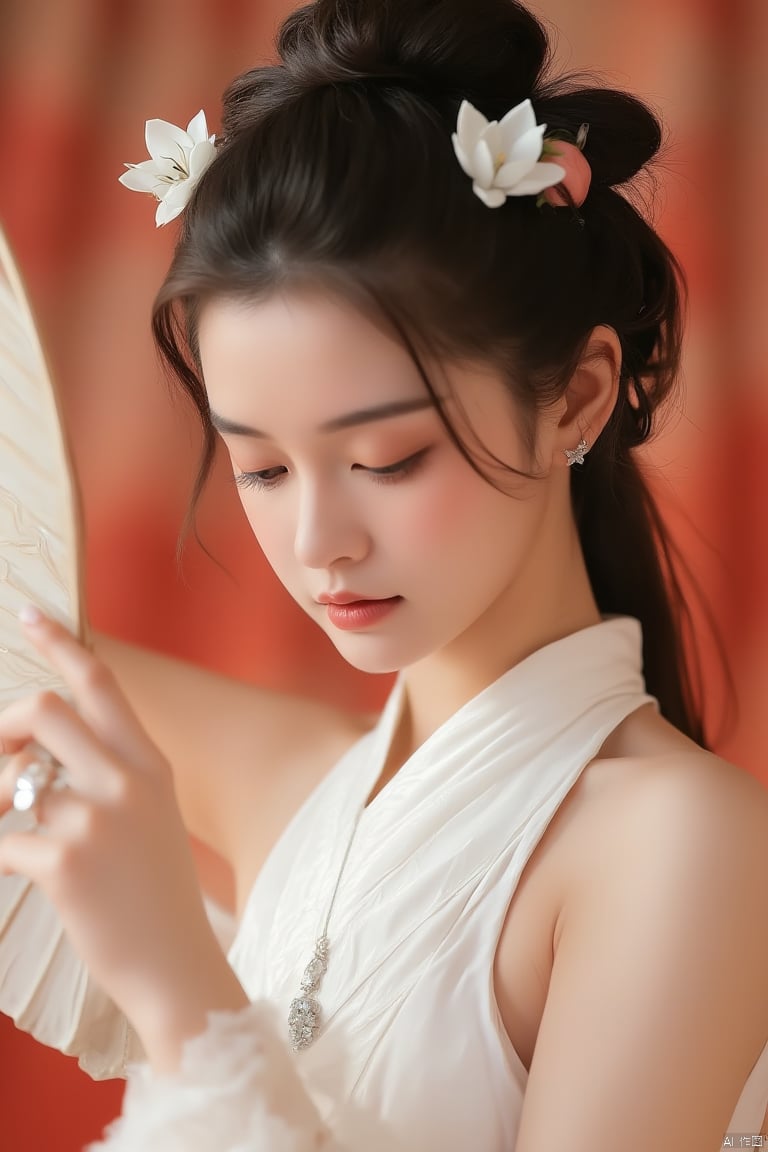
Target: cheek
point(423, 521)
point(272, 530)
point(452, 513)
point(464, 532)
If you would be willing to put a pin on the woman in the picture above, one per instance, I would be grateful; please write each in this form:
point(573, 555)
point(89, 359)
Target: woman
point(432, 334)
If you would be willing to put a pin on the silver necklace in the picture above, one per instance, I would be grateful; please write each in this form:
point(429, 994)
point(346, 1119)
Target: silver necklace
point(304, 1015)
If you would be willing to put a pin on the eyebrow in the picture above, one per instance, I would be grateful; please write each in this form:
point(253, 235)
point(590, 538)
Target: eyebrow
point(350, 420)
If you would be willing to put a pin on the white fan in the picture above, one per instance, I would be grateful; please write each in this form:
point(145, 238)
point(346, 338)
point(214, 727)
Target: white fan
point(40, 509)
point(43, 984)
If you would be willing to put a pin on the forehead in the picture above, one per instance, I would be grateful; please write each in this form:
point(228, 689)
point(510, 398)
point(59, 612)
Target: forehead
point(305, 346)
point(292, 363)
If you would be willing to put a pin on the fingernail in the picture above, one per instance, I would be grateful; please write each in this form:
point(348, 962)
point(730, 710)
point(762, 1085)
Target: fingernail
point(28, 614)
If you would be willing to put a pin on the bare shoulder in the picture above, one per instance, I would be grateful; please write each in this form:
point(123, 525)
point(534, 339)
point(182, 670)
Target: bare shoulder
point(244, 757)
point(652, 779)
point(657, 1006)
point(687, 815)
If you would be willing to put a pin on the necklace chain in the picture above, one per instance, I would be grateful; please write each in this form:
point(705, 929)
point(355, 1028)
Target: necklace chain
point(304, 1014)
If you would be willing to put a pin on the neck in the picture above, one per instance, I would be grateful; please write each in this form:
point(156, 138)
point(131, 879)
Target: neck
point(556, 600)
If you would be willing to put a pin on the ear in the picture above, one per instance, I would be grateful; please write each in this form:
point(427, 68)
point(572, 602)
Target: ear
point(590, 397)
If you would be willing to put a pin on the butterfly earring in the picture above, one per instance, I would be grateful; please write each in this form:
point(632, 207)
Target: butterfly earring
point(576, 455)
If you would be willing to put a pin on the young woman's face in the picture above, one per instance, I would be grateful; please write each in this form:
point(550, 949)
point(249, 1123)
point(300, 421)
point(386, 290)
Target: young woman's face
point(351, 483)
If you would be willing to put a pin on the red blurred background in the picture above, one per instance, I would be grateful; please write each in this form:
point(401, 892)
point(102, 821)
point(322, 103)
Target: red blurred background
point(78, 78)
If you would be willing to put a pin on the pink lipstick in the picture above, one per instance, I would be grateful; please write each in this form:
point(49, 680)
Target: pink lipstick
point(359, 613)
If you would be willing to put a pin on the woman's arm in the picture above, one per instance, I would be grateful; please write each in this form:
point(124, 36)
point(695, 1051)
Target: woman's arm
point(658, 1002)
point(244, 757)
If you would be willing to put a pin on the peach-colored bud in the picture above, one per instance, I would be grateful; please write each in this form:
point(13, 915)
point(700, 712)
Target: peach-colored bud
point(578, 174)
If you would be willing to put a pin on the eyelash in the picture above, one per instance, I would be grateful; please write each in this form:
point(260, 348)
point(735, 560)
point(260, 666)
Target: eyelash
point(392, 474)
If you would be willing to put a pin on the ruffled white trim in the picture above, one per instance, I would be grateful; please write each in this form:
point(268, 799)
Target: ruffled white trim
point(239, 1089)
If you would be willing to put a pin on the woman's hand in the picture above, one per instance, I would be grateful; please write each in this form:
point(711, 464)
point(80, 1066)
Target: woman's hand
point(111, 851)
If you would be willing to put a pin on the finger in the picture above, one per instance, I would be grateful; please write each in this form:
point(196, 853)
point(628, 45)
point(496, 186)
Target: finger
point(95, 692)
point(29, 854)
point(58, 809)
point(10, 772)
point(8, 747)
point(64, 813)
point(52, 723)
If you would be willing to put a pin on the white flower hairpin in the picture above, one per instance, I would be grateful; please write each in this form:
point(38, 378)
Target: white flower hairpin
point(178, 160)
point(504, 157)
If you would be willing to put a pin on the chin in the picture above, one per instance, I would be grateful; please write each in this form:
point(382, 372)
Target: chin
point(374, 663)
point(377, 655)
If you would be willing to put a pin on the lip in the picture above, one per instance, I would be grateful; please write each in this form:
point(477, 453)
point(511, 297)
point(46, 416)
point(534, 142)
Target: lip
point(346, 597)
point(361, 614)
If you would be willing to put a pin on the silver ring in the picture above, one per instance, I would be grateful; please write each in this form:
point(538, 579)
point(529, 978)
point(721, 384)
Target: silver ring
point(32, 783)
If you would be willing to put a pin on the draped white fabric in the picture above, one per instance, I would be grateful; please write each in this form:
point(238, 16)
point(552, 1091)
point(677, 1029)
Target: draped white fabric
point(413, 1032)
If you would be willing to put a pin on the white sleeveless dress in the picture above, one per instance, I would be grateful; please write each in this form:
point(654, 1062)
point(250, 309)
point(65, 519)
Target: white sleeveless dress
point(413, 1054)
point(432, 870)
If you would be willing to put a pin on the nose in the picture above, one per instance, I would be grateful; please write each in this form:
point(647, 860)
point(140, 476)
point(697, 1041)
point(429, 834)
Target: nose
point(328, 528)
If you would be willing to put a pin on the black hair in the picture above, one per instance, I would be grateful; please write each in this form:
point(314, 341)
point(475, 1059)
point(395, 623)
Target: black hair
point(336, 168)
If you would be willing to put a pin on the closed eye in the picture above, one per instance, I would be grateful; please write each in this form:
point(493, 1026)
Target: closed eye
point(394, 472)
point(269, 478)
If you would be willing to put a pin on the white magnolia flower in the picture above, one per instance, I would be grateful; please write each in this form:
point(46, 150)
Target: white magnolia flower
point(178, 161)
point(502, 157)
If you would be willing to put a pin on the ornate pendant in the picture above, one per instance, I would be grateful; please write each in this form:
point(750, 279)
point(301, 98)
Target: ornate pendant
point(304, 1016)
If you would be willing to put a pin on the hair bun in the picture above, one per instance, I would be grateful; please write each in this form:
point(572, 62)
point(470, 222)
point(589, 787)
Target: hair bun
point(490, 48)
point(494, 53)
point(624, 134)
